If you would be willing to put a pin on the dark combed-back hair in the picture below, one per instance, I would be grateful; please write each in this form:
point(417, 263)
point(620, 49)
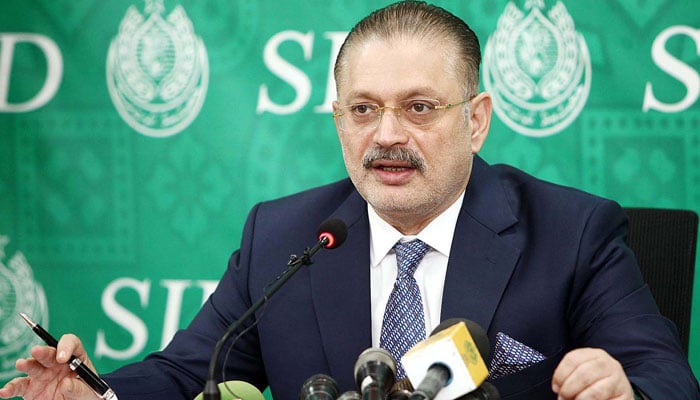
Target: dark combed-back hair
point(417, 19)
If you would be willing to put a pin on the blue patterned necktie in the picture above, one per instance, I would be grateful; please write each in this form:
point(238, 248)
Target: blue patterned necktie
point(404, 322)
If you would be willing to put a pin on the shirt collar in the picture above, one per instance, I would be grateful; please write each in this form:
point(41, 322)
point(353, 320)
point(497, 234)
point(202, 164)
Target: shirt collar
point(438, 234)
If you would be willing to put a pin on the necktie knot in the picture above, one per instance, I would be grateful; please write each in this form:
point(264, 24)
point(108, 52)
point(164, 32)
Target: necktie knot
point(408, 256)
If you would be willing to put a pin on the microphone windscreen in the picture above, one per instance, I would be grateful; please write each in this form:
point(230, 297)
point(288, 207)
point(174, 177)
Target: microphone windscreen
point(232, 390)
point(334, 230)
point(481, 339)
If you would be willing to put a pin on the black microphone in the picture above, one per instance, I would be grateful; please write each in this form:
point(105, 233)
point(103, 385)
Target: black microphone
point(319, 387)
point(331, 234)
point(375, 373)
point(453, 357)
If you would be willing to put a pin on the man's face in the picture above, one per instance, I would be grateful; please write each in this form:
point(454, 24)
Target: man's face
point(387, 73)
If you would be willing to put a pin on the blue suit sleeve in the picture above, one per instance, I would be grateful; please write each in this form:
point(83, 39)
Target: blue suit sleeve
point(612, 308)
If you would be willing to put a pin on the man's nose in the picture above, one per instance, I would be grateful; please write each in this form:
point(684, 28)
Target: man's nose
point(389, 130)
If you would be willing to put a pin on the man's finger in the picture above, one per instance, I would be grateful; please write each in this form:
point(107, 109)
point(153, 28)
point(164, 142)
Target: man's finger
point(582, 376)
point(45, 355)
point(14, 388)
point(33, 368)
point(70, 345)
point(605, 388)
point(568, 365)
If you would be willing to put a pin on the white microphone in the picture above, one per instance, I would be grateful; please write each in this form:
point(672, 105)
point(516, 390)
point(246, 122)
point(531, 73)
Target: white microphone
point(448, 364)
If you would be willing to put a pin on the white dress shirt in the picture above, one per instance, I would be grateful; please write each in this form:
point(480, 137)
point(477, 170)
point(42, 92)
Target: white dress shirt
point(430, 273)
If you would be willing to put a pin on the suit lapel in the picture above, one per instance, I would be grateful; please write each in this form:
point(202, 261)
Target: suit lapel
point(481, 260)
point(341, 291)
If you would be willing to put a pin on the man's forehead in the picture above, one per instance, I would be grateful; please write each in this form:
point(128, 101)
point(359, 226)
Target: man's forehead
point(399, 68)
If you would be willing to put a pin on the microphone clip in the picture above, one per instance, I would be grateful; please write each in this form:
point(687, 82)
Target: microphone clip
point(305, 259)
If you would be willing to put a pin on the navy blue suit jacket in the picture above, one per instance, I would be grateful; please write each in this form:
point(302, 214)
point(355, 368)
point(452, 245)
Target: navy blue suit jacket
point(544, 264)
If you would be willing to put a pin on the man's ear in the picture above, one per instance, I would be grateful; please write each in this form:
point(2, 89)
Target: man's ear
point(480, 109)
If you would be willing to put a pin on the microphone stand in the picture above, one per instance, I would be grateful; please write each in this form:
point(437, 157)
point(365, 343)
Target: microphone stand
point(211, 388)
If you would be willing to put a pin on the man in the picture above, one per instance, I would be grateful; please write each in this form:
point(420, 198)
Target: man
point(544, 269)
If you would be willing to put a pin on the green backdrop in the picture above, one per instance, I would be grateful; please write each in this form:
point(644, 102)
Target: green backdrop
point(136, 135)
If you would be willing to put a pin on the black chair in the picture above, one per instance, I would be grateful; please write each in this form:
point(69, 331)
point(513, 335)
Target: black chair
point(664, 241)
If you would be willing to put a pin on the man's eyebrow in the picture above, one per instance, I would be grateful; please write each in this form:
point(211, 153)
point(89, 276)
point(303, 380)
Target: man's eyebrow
point(417, 92)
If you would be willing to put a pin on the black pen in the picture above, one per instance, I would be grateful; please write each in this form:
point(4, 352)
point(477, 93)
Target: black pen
point(96, 383)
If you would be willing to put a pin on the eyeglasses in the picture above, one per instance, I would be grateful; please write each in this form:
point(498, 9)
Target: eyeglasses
point(364, 117)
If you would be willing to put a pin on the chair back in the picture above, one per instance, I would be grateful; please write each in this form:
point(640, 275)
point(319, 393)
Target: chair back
point(664, 241)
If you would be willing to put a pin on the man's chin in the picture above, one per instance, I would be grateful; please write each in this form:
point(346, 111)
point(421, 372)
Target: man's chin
point(396, 202)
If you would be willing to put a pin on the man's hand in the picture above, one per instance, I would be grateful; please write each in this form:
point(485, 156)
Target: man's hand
point(48, 375)
point(591, 374)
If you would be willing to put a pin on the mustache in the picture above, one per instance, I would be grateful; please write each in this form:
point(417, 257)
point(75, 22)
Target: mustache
point(393, 154)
